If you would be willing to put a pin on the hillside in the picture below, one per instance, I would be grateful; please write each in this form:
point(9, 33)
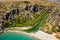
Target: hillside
point(29, 13)
point(35, 1)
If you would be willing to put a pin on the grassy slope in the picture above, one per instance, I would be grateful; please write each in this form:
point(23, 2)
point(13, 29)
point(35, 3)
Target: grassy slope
point(40, 23)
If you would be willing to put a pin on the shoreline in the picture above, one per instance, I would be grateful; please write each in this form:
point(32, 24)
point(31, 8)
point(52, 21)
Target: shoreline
point(29, 34)
point(38, 35)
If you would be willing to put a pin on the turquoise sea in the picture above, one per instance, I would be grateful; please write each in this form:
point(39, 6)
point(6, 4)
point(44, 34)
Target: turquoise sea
point(15, 36)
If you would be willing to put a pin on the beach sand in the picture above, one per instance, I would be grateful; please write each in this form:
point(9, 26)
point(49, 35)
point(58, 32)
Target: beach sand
point(39, 34)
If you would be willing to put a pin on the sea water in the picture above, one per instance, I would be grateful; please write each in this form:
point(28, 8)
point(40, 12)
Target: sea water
point(15, 36)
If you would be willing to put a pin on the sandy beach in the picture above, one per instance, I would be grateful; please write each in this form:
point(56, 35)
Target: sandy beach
point(40, 35)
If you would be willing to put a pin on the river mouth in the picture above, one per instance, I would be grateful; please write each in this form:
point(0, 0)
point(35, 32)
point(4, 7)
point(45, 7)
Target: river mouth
point(15, 36)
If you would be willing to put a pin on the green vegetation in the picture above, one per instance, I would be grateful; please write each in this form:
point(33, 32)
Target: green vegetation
point(34, 18)
point(39, 24)
point(46, 16)
point(23, 21)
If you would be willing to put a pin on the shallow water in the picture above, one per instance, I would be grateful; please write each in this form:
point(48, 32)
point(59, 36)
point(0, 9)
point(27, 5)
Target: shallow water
point(15, 36)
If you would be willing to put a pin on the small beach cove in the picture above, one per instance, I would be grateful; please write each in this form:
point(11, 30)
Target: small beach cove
point(35, 31)
point(15, 36)
point(39, 35)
